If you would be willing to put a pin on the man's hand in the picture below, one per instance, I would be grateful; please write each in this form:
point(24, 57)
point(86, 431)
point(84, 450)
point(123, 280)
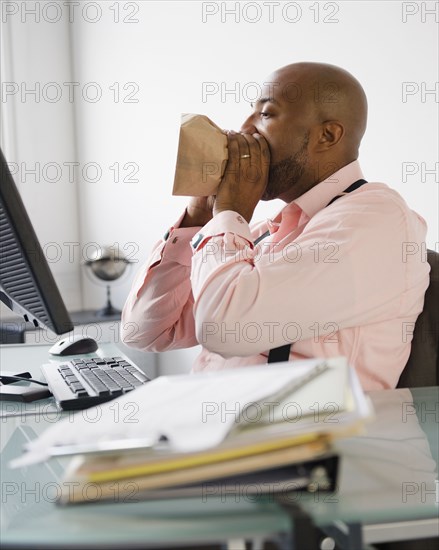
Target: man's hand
point(242, 185)
point(246, 175)
point(198, 212)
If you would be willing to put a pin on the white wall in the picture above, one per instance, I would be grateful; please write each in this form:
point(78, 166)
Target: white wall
point(168, 55)
point(38, 137)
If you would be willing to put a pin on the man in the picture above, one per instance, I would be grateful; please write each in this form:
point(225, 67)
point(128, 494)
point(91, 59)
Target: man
point(330, 279)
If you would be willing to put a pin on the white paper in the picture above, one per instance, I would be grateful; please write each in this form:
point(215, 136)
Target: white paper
point(195, 412)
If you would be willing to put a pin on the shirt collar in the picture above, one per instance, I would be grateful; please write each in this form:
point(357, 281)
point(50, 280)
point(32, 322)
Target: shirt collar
point(318, 196)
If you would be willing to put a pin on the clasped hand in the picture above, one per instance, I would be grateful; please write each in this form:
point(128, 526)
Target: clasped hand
point(243, 184)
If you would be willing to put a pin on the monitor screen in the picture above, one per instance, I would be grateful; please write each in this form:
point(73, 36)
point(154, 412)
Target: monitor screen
point(27, 285)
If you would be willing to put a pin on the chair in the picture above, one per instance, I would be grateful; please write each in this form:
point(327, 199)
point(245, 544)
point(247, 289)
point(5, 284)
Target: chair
point(422, 368)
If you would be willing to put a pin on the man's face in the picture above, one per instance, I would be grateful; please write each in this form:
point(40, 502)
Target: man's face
point(280, 117)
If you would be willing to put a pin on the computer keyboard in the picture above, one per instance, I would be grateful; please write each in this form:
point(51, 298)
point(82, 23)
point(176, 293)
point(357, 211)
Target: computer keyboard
point(82, 383)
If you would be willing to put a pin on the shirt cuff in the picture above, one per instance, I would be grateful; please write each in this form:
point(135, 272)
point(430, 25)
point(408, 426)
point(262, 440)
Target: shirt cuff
point(224, 222)
point(177, 243)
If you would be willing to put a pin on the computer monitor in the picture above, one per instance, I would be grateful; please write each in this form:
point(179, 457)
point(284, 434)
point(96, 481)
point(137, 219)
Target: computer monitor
point(27, 285)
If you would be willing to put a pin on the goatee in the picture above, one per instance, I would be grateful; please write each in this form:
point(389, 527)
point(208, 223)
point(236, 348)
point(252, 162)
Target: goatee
point(284, 174)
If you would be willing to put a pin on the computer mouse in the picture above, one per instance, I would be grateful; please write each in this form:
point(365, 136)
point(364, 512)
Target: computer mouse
point(76, 344)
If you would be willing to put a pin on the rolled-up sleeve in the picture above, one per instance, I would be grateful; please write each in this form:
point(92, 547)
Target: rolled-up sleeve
point(158, 312)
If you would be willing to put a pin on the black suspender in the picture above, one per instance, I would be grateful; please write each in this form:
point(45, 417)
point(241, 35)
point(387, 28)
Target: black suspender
point(261, 237)
point(352, 187)
point(282, 353)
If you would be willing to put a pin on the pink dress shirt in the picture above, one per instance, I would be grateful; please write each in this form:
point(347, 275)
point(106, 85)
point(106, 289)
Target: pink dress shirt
point(348, 279)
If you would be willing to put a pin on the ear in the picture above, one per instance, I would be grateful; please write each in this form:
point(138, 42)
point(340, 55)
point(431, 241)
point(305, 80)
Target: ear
point(331, 133)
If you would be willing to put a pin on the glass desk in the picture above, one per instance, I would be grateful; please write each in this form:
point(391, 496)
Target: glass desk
point(388, 484)
point(388, 476)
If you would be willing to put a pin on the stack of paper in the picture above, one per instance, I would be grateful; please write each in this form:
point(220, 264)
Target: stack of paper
point(180, 430)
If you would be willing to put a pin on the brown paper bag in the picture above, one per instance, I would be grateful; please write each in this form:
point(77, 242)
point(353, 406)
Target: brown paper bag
point(202, 157)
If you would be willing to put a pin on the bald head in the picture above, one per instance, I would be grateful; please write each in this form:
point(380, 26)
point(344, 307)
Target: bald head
point(313, 116)
point(327, 93)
